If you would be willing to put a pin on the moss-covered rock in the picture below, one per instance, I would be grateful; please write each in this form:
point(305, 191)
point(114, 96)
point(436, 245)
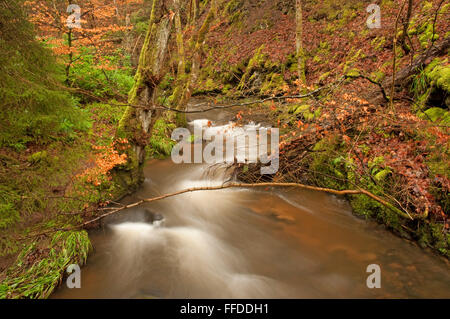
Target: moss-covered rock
point(439, 75)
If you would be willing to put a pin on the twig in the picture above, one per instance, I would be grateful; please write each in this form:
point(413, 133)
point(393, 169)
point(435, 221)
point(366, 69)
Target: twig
point(360, 76)
point(434, 25)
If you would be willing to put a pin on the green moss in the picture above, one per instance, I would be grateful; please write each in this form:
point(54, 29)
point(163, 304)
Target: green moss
point(353, 72)
point(351, 59)
point(324, 166)
point(378, 76)
point(257, 61)
point(378, 43)
point(160, 141)
point(317, 59)
point(274, 83)
point(427, 6)
point(330, 28)
point(432, 235)
point(437, 162)
point(438, 73)
point(38, 157)
point(433, 80)
point(365, 206)
point(234, 12)
point(8, 216)
point(324, 76)
point(335, 171)
point(304, 111)
point(426, 34)
point(435, 113)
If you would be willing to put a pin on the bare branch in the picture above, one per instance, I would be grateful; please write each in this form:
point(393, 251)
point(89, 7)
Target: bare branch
point(359, 191)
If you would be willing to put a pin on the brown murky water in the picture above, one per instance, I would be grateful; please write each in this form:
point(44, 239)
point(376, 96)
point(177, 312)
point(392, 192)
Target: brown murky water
point(239, 243)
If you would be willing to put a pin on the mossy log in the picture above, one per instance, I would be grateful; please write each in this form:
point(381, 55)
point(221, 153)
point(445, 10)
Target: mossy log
point(404, 75)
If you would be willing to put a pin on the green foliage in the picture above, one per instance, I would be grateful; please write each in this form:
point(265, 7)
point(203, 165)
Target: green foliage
point(274, 83)
point(38, 279)
point(419, 83)
point(161, 144)
point(115, 79)
point(326, 165)
point(330, 168)
point(34, 106)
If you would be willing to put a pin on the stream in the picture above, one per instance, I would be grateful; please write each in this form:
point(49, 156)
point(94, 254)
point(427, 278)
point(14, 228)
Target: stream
point(247, 243)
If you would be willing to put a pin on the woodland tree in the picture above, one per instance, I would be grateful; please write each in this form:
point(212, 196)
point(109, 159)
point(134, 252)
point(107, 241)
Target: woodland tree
point(139, 118)
point(102, 23)
point(299, 41)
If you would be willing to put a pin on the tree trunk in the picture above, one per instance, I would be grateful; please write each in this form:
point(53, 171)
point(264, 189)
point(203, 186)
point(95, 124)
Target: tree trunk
point(194, 8)
point(404, 35)
point(137, 122)
point(299, 41)
point(70, 56)
point(187, 87)
point(180, 40)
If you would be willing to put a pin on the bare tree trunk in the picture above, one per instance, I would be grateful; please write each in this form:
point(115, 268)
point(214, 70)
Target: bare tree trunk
point(127, 39)
point(299, 41)
point(404, 35)
point(69, 64)
point(137, 122)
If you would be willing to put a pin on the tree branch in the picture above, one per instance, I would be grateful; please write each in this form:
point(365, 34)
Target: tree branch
point(359, 191)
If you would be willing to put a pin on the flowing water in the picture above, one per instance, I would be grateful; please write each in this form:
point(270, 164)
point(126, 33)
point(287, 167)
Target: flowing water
point(241, 243)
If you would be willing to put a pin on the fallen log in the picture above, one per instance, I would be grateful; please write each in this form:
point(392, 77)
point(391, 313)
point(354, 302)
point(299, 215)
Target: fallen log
point(112, 211)
point(403, 77)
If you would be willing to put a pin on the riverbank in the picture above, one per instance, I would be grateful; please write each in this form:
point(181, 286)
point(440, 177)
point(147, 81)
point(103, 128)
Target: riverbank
point(307, 156)
point(347, 132)
point(341, 144)
point(48, 188)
